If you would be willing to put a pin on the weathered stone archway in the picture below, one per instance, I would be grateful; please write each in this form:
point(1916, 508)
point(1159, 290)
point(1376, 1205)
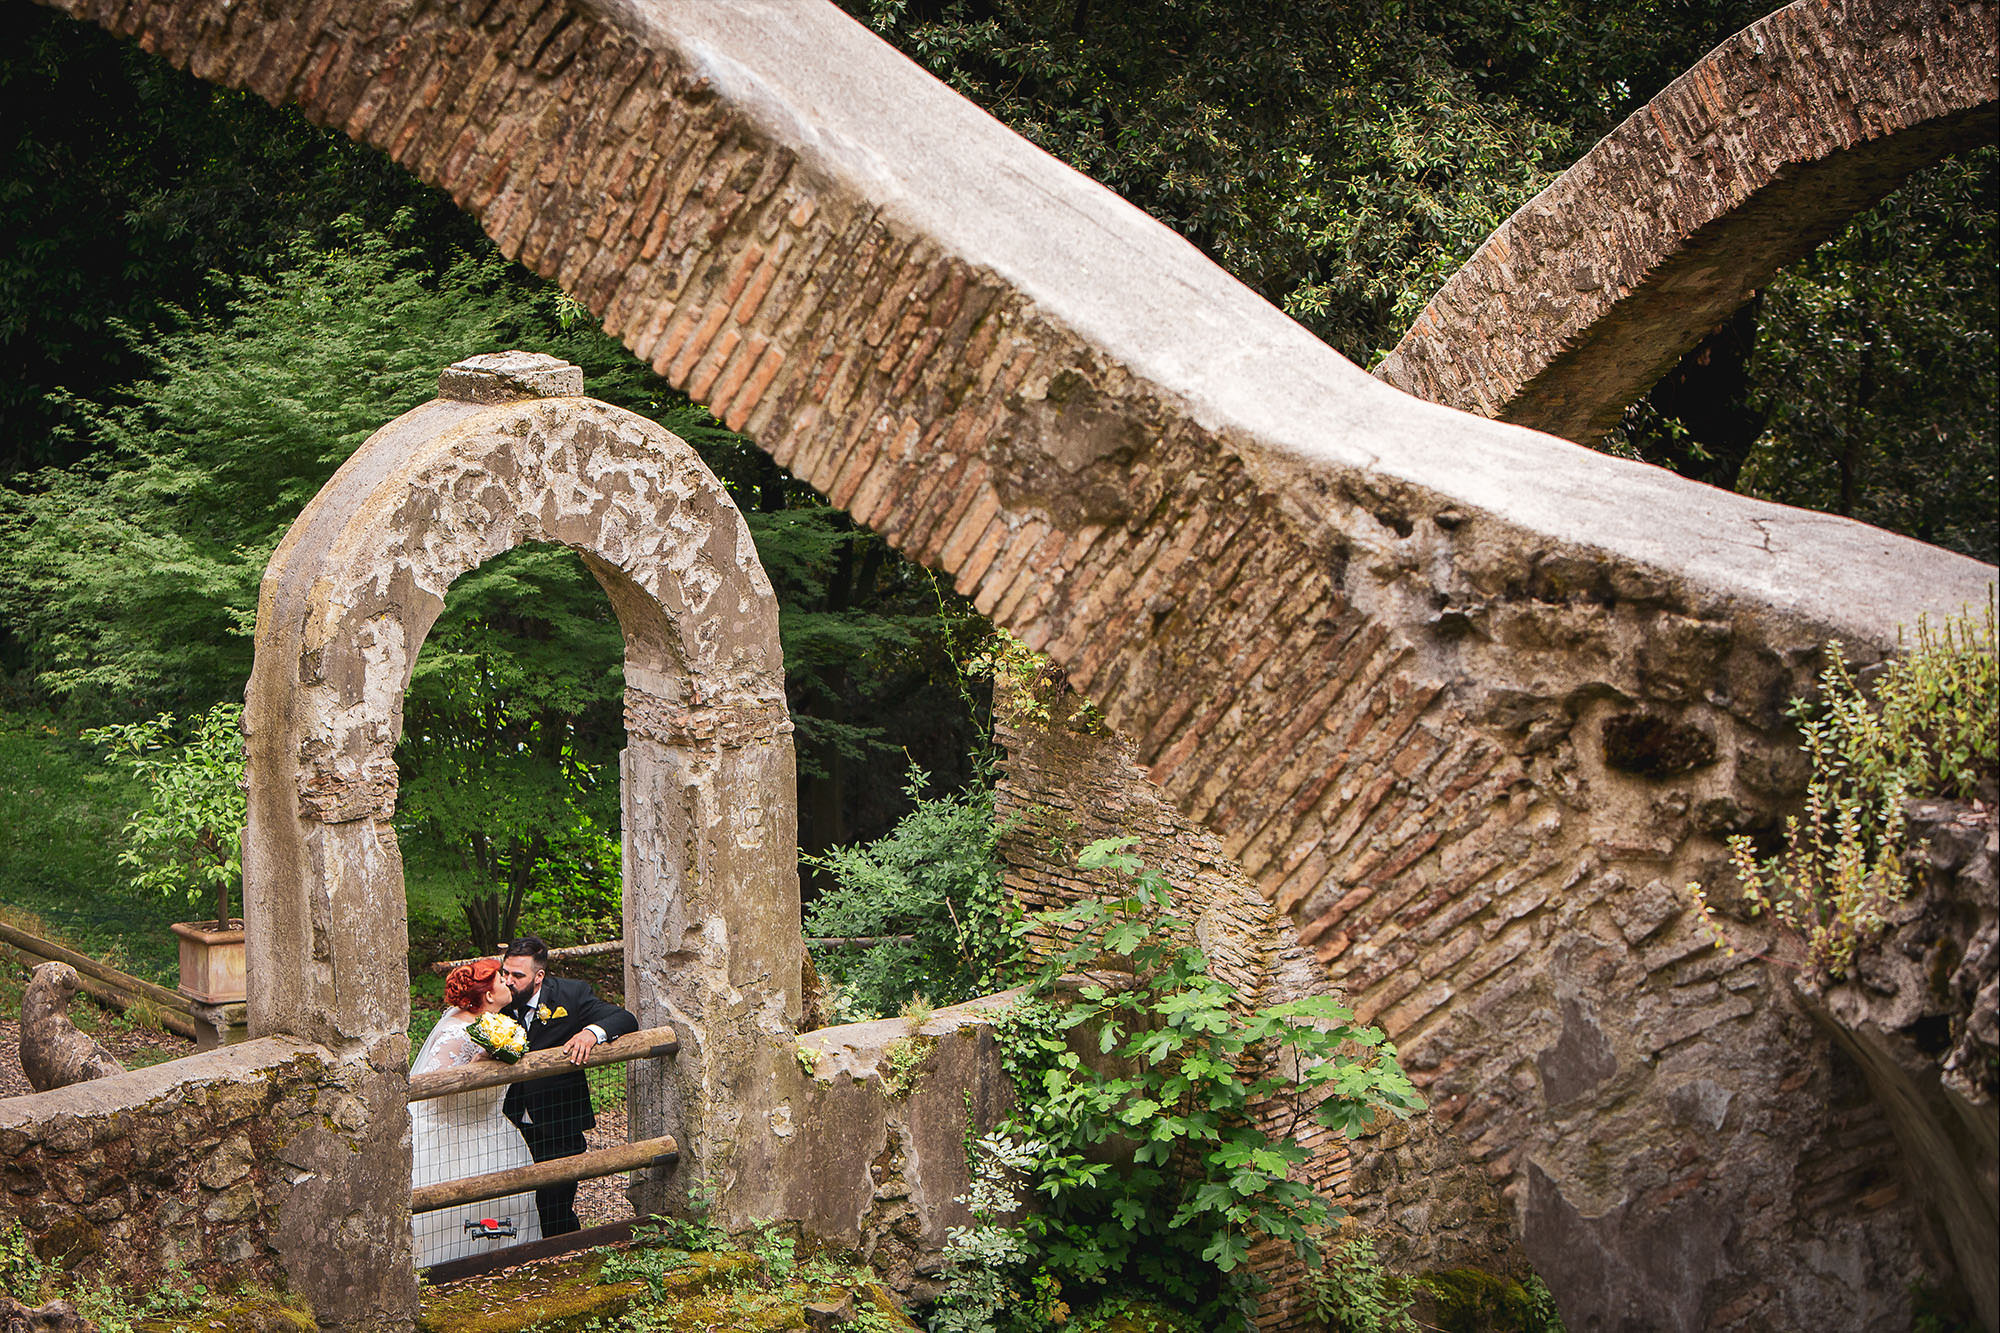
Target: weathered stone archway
point(510, 453)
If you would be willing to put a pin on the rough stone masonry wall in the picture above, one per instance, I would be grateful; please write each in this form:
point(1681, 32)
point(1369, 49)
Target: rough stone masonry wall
point(1463, 700)
point(188, 1166)
point(1596, 287)
point(1066, 782)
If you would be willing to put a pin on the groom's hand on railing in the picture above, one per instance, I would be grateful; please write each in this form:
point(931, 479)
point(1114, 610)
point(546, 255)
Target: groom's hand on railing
point(646, 1044)
point(578, 1048)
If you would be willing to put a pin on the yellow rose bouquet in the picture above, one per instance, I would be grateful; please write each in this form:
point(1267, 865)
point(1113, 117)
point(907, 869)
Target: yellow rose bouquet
point(501, 1036)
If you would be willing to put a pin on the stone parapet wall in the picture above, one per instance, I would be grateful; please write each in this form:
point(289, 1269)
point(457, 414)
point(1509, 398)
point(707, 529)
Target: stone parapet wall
point(191, 1166)
point(866, 1143)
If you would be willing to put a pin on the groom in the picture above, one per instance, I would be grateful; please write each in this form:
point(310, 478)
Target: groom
point(552, 1113)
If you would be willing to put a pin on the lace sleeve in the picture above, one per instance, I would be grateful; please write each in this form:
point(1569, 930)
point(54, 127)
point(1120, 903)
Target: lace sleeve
point(450, 1050)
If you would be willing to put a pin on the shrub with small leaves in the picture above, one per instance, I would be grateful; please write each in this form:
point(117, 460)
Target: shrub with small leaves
point(188, 838)
point(1929, 727)
point(1181, 1062)
point(1351, 1293)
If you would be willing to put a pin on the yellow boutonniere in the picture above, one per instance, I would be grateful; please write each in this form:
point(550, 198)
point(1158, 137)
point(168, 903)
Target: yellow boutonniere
point(545, 1013)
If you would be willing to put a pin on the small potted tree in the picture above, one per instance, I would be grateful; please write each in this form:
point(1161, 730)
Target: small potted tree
point(187, 840)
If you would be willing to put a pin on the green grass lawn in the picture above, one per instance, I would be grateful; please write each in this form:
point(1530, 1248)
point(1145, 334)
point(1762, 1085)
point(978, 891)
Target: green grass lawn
point(62, 815)
point(62, 812)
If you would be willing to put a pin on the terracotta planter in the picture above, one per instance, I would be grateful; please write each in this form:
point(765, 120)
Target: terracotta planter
point(211, 962)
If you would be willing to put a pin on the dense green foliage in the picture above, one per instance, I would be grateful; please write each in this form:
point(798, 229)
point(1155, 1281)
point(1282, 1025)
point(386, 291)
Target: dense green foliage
point(1875, 375)
point(1136, 1093)
point(934, 877)
point(125, 187)
point(1340, 158)
point(1351, 1293)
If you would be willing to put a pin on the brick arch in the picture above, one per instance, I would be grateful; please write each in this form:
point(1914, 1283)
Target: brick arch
point(1374, 643)
point(1596, 287)
point(508, 454)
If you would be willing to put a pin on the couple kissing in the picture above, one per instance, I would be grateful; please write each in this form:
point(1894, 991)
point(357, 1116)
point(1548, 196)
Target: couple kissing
point(503, 1128)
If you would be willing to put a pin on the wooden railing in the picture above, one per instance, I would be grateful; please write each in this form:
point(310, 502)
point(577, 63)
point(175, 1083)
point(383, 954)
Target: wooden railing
point(100, 981)
point(649, 1044)
point(571, 952)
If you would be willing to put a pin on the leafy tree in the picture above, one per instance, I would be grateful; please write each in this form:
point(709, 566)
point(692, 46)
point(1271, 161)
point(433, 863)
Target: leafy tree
point(132, 577)
point(511, 730)
point(935, 878)
point(187, 838)
point(1875, 366)
point(125, 187)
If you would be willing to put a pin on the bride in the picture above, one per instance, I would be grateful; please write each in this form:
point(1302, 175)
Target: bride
point(465, 1134)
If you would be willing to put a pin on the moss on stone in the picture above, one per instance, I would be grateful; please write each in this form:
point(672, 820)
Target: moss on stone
point(1471, 1300)
point(249, 1311)
point(715, 1292)
point(563, 1296)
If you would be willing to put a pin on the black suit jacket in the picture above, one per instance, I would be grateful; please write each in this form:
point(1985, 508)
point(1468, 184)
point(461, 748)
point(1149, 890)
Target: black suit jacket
point(561, 1103)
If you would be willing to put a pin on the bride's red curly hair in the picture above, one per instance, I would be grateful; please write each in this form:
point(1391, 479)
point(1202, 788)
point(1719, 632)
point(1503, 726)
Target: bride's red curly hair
point(468, 983)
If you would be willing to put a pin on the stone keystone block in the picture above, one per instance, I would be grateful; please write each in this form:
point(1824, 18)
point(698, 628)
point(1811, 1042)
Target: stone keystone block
point(506, 377)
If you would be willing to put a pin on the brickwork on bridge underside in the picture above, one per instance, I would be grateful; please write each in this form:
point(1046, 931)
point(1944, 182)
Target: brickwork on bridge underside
point(1460, 699)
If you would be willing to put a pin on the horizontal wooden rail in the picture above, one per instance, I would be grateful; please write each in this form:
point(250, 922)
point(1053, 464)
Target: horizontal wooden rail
point(111, 997)
point(101, 982)
point(643, 1045)
point(89, 966)
point(574, 951)
point(555, 955)
point(557, 1171)
point(855, 941)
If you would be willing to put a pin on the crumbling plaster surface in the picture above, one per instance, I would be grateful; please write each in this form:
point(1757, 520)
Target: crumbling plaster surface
point(1596, 287)
point(1467, 702)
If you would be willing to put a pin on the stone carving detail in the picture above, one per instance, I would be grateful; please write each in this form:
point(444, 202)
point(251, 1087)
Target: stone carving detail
point(54, 1054)
point(730, 726)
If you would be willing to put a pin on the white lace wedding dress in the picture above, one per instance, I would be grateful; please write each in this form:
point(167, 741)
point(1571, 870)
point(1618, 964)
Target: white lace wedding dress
point(458, 1136)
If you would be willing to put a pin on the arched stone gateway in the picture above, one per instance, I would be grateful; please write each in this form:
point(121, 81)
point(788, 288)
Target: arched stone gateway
point(1467, 702)
point(511, 453)
point(1578, 304)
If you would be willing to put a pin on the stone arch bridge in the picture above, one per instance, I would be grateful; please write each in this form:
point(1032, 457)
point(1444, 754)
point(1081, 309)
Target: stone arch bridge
point(1464, 700)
